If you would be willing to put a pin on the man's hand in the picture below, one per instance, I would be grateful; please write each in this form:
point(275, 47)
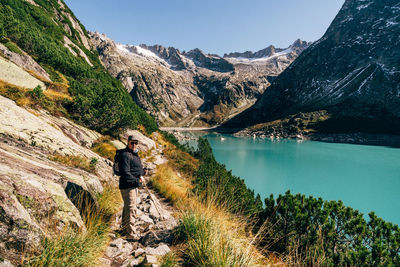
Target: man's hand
point(141, 179)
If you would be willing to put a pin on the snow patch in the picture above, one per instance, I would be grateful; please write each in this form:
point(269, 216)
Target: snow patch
point(364, 6)
point(261, 59)
point(123, 49)
point(136, 50)
point(391, 22)
point(145, 52)
point(348, 18)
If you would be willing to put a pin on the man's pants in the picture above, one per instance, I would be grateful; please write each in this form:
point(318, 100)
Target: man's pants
point(129, 211)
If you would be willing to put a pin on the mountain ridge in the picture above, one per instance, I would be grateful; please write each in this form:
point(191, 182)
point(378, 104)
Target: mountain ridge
point(351, 72)
point(189, 89)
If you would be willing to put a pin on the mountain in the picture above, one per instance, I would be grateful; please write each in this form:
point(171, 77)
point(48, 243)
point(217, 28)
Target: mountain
point(192, 88)
point(348, 81)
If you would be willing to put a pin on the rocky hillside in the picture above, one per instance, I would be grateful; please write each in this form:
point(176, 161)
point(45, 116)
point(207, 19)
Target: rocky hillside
point(52, 83)
point(193, 88)
point(37, 190)
point(351, 75)
point(43, 44)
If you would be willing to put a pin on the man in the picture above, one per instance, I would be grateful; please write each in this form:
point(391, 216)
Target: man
point(132, 172)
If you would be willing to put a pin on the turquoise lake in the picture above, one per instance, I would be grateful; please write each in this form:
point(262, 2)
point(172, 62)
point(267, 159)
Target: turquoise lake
point(366, 178)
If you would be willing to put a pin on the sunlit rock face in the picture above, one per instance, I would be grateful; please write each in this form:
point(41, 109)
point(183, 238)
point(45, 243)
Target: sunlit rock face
point(353, 72)
point(193, 88)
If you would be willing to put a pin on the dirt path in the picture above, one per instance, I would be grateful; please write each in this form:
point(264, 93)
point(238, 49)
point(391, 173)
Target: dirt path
point(155, 224)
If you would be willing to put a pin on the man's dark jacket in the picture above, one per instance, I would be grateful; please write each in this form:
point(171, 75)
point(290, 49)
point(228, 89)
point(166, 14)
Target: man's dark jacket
point(131, 169)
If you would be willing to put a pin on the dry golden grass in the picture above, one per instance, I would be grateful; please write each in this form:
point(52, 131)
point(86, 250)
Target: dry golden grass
point(49, 99)
point(229, 237)
point(64, 82)
point(104, 147)
point(24, 102)
point(142, 129)
point(56, 86)
point(76, 161)
point(160, 140)
point(181, 161)
point(170, 185)
point(37, 76)
point(54, 95)
point(5, 85)
point(110, 200)
point(147, 154)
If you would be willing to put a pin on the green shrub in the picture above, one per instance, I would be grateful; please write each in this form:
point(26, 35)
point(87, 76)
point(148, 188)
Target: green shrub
point(93, 163)
point(37, 93)
point(12, 47)
point(100, 101)
point(341, 234)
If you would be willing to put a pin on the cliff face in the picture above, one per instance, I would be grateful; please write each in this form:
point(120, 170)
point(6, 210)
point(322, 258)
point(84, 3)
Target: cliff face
point(192, 88)
point(353, 72)
point(34, 200)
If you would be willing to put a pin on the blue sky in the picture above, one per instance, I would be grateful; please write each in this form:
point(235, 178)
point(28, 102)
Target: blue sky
point(215, 26)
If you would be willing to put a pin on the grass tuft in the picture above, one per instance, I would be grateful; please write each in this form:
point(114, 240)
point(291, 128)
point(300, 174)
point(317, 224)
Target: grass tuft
point(169, 260)
point(182, 161)
point(171, 186)
point(208, 245)
point(81, 248)
point(104, 148)
point(76, 161)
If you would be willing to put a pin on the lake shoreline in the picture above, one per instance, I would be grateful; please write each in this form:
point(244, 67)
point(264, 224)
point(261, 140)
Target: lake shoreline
point(360, 138)
point(342, 138)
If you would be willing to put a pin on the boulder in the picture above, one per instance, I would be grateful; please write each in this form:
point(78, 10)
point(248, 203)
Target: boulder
point(37, 194)
point(161, 250)
point(5, 263)
point(136, 262)
point(150, 259)
point(159, 160)
point(139, 252)
point(77, 133)
point(154, 237)
point(121, 251)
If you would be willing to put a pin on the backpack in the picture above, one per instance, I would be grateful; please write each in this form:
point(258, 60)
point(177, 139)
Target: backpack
point(117, 160)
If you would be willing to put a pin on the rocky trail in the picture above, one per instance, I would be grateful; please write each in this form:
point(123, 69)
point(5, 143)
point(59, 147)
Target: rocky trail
point(155, 224)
